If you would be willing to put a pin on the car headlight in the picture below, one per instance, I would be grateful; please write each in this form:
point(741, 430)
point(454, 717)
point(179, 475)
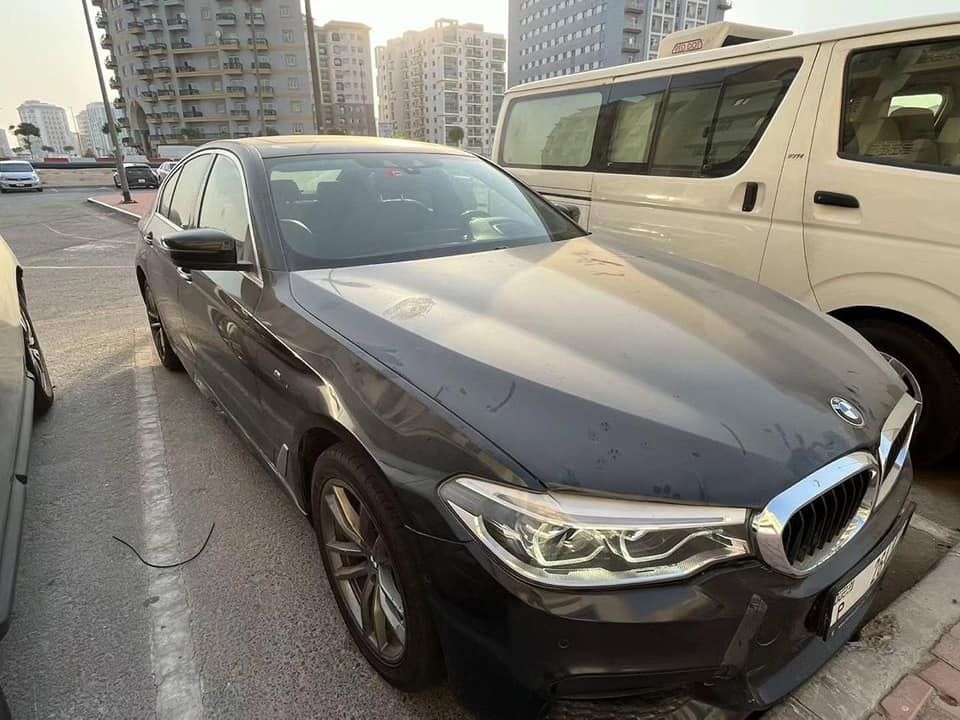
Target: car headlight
point(572, 540)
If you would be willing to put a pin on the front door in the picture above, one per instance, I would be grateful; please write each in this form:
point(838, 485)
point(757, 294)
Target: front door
point(218, 305)
point(879, 211)
point(692, 158)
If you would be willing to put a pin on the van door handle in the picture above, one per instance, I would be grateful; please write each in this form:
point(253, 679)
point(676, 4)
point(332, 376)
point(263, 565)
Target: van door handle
point(824, 197)
point(750, 196)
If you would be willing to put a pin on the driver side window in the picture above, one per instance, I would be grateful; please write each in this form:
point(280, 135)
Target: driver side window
point(225, 206)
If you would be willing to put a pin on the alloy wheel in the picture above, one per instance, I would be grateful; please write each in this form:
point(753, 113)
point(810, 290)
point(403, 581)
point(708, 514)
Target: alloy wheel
point(156, 326)
point(37, 363)
point(363, 570)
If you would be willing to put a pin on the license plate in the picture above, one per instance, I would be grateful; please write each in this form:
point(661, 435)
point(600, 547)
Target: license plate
point(849, 596)
point(141, 181)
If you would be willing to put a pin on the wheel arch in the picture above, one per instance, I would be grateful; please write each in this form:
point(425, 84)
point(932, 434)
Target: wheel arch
point(322, 433)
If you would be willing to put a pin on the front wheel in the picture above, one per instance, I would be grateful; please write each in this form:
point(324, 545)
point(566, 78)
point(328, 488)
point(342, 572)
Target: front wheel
point(371, 568)
point(36, 364)
point(39, 189)
point(168, 357)
point(931, 376)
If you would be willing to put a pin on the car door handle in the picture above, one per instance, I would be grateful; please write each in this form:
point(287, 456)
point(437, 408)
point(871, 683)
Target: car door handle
point(825, 197)
point(278, 379)
point(148, 237)
point(185, 274)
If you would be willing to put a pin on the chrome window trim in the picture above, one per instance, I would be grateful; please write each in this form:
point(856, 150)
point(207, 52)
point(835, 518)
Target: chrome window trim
point(904, 415)
point(768, 525)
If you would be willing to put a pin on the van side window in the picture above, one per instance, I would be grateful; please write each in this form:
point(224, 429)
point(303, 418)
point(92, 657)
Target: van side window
point(712, 120)
point(635, 107)
point(551, 131)
point(900, 106)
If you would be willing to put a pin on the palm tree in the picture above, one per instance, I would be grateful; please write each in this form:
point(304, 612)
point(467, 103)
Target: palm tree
point(24, 131)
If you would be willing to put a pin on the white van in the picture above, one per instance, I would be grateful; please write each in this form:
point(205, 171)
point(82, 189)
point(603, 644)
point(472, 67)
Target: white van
point(826, 166)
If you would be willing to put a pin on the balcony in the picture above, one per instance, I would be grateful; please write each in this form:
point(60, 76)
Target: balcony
point(264, 67)
point(123, 122)
point(636, 7)
point(255, 18)
point(192, 114)
point(131, 4)
point(166, 93)
point(106, 42)
point(157, 137)
point(119, 103)
point(149, 3)
point(236, 91)
point(266, 91)
point(181, 46)
point(157, 48)
point(161, 71)
point(226, 19)
point(139, 51)
point(110, 63)
point(101, 21)
point(153, 116)
point(725, 5)
point(261, 43)
point(180, 22)
point(153, 23)
point(269, 113)
point(114, 83)
point(170, 115)
point(149, 96)
point(136, 27)
point(189, 91)
point(230, 43)
point(233, 68)
point(173, 3)
point(145, 72)
point(240, 114)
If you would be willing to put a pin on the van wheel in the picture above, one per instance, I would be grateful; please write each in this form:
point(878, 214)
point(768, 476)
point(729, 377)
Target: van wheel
point(931, 375)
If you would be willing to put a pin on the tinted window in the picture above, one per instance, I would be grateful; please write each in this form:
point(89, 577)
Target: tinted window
point(187, 192)
point(336, 210)
point(166, 194)
point(225, 205)
point(635, 107)
point(900, 106)
point(551, 130)
point(713, 120)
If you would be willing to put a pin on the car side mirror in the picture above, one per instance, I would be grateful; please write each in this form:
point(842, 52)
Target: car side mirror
point(571, 211)
point(203, 249)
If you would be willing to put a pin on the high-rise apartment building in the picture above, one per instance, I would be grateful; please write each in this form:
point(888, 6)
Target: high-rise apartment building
point(51, 120)
point(345, 65)
point(448, 76)
point(559, 37)
point(90, 122)
point(5, 150)
point(196, 70)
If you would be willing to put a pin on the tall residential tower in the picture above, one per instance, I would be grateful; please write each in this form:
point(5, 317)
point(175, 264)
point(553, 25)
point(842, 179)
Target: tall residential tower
point(192, 70)
point(345, 65)
point(559, 37)
point(52, 122)
point(448, 76)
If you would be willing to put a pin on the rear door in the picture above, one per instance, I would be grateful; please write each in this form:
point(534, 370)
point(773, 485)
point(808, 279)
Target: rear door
point(880, 206)
point(692, 159)
point(547, 141)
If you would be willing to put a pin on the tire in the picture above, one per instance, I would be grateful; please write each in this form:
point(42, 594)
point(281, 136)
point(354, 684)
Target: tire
point(343, 472)
point(936, 373)
point(161, 341)
point(36, 364)
point(40, 189)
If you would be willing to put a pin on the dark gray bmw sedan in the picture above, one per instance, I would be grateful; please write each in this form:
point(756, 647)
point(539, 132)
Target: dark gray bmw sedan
point(548, 466)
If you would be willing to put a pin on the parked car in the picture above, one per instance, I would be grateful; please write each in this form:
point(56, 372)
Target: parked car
point(25, 393)
point(18, 175)
point(139, 175)
point(823, 165)
point(530, 455)
point(165, 168)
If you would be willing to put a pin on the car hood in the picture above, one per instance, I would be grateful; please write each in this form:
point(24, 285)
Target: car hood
point(607, 370)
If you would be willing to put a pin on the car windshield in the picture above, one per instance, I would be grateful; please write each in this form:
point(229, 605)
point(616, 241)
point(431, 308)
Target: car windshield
point(16, 167)
point(363, 208)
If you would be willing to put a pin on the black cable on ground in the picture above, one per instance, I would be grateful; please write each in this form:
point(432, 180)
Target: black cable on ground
point(173, 565)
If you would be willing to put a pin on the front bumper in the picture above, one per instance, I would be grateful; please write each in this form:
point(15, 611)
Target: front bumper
point(20, 184)
point(739, 636)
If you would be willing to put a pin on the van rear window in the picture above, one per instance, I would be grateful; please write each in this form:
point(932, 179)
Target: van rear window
point(551, 131)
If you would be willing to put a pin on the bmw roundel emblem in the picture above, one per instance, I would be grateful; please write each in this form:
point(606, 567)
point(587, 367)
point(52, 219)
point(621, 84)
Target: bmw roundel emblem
point(847, 411)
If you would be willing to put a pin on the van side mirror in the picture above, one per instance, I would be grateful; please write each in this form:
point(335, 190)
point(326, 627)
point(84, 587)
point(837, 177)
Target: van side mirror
point(203, 249)
point(571, 211)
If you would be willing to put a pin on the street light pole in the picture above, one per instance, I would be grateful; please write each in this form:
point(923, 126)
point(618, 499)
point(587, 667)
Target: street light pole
point(108, 109)
point(314, 71)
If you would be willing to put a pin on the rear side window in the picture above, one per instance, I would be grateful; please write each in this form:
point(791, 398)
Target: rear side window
point(900, 106)
point(166, 195)
point(187, 193)
point(551, 131)
point(711, 121)
point(225, 205)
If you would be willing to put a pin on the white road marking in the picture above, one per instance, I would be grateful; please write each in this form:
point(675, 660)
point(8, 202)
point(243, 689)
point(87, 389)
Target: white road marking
point(77, 267)
point(179, 695)
point(88, 239)
point(934, 529)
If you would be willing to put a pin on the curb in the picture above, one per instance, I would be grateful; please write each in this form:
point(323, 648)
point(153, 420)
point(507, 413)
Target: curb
point(114, 208)
point(892, 645)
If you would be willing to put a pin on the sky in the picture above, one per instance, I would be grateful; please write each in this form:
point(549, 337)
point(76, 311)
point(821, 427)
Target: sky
point(56, 65)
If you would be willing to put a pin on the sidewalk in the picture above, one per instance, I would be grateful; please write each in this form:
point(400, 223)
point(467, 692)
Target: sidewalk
point(114, 201)
point(906, 665)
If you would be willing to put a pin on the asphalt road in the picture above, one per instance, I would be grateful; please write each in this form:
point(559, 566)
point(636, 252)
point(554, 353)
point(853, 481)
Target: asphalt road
point(265, 639)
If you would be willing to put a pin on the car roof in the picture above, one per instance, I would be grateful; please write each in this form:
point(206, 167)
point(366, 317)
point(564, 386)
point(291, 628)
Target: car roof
point(275, 146)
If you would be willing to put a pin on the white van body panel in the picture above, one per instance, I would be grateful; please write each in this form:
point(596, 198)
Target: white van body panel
point(900, 249)
point(704, 218)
